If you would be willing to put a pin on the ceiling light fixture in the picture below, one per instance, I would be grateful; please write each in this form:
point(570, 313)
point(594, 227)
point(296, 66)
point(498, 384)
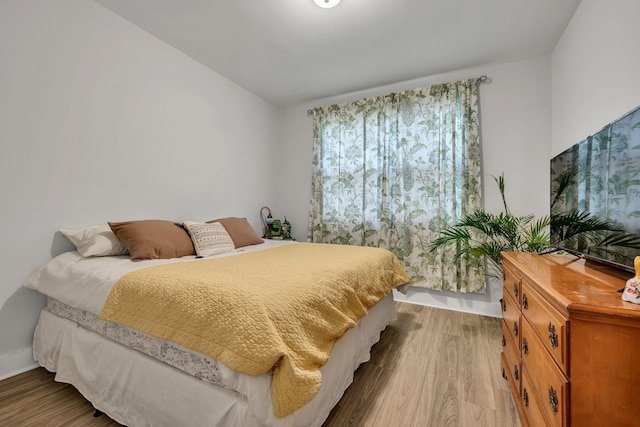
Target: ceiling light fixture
point(326, 4)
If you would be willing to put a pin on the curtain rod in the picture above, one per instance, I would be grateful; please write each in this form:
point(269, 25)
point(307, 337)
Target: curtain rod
point(482, 79)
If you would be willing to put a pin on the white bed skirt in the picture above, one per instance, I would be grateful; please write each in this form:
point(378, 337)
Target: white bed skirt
point(137, 390)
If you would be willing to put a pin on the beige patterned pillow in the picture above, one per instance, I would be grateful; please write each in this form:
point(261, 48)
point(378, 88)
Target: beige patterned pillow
point(209, 238)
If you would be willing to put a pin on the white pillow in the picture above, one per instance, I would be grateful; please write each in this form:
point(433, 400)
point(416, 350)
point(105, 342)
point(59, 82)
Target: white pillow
point(97, 240)
point(209, 238)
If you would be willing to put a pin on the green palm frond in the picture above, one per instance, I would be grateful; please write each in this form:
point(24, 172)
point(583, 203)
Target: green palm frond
point(450, 235)
point(500, 181)
point(620, 238)
point(562, 183)
point(580, 224)
point(536, 237)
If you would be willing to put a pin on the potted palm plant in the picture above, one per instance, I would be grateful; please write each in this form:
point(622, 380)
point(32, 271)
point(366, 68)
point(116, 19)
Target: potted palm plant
point(483, 234)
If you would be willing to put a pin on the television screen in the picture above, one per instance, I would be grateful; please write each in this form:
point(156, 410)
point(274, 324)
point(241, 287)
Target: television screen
point(595, 195)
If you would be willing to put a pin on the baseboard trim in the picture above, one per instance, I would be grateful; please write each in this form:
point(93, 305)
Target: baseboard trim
point(455, 303)
point(17, 362)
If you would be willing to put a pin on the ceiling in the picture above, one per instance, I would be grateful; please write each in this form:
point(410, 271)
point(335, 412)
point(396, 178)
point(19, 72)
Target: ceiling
point(291, 51)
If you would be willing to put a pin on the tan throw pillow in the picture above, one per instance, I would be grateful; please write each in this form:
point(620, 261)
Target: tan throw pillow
point(97, 240)
point(209, 238)
point(153, 239)
point(240, 231)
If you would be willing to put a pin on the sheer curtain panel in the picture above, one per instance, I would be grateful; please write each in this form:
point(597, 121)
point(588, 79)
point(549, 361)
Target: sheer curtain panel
point(394, 170)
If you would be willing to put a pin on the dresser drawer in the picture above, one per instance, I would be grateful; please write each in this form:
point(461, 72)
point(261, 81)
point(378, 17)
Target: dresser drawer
point(507, 340)
point(531, 403)
point(548, 381)
point(548, 323)
point(506, 374)
point(511, 319)
point(512, 357)
point(512, 282)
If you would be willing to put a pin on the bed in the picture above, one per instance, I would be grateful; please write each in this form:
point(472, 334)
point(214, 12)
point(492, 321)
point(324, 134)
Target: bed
point(142, 377)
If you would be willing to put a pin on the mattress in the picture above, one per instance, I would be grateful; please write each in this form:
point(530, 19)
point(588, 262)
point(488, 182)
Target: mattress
point(184, 359)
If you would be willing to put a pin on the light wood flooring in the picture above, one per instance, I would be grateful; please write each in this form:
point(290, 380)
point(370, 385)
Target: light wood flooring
point(432, 367)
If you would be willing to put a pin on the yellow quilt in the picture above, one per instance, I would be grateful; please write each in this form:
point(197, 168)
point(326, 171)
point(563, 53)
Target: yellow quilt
point(279, 310)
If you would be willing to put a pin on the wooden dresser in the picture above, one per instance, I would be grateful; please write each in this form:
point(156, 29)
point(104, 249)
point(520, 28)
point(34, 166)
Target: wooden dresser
point(571, 346)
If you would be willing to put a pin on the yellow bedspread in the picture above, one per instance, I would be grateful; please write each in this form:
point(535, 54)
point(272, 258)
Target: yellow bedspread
point(279, 310)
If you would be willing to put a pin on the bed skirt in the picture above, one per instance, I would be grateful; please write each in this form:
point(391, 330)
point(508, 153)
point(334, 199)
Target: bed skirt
point(137, 390)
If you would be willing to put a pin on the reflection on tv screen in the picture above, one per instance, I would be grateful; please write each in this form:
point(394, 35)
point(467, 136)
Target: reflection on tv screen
point(595, 194)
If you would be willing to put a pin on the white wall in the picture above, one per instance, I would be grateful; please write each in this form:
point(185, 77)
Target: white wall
point(595, 70)
point(101, 121)
point(516, 134)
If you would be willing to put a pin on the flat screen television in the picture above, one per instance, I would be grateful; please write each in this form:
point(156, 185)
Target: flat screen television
point(595, 195)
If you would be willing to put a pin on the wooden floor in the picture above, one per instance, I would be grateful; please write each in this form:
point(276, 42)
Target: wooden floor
point(432, 367)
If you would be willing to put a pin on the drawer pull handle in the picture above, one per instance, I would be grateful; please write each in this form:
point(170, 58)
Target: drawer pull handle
point(503, 304)
point(553, 337)
point(516, 374)
point(553, 399)
point(504, 341)
point(525, 397)
point(525, 301)
point(525, 346)
point(515, 328)
point(515, 289)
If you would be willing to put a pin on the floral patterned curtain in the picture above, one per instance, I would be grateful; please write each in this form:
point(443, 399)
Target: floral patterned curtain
point(392, 171)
